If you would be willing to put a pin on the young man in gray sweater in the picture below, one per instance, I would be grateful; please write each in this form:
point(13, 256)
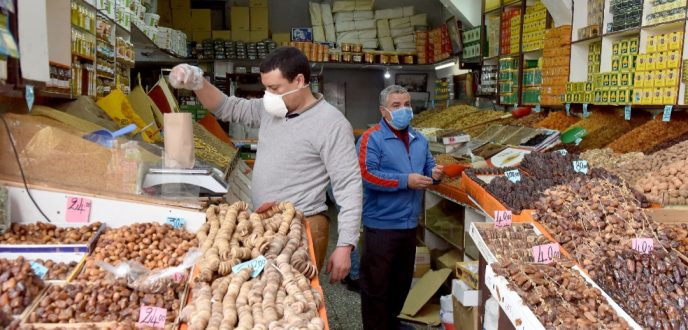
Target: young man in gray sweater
point(303, 144)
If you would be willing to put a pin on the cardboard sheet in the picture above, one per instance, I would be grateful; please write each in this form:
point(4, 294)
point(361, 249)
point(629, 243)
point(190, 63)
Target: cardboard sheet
point(416, 307)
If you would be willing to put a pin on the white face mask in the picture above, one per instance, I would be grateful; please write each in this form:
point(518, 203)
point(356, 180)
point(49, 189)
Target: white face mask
point(274, 104)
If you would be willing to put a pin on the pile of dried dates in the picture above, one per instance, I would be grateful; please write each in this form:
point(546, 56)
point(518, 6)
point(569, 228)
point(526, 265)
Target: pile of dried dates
point(676, 234)
point(559, 296)
point(514, 242)
point(44, 233)
point(57, 271)
point(19, 286)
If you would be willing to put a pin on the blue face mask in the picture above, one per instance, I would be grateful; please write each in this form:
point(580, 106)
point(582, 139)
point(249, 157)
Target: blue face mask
point(401, 118)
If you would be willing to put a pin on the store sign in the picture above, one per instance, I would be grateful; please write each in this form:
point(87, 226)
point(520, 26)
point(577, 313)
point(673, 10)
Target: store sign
point(580, 166)
point(256, 264)
point(513, 175)
point(546, 253)
point(150, 316)
point(643, 245)
point(78, 209)
point(503, 218)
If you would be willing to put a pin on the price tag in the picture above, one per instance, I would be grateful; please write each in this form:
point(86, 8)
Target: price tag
point(502, 218)
point(643, 245)
point(513, 175)
point(578, 141)
point(546, 253)
point(178, 277)
point(667, 112)
point(150, 316)
point(176, 222)
point(39, 269)
point(30, 96)
point(562, 152)
point(515, 105)
point(257, 264)
point(580, 166)
point(585, 110)
point(568, 109)
point(627, 112)
point(78, 209)
point(537, 108)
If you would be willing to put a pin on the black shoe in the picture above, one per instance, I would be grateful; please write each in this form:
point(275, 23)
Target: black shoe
point(406, 326)
point(351, 284)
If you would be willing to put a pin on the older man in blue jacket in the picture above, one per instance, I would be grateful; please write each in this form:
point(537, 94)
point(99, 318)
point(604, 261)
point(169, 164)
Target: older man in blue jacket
point(396, 166)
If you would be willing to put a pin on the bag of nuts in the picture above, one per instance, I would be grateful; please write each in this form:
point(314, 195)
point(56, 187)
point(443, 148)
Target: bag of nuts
point(142, 279)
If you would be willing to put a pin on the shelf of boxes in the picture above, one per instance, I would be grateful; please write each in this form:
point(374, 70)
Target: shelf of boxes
point(683, 71)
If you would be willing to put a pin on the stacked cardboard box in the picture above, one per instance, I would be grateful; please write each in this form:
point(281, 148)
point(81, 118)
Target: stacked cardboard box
point(354, 23)
point(657, 77)
point(258, 21)
point(595, 11)
point(555, 65)
point(534, 25)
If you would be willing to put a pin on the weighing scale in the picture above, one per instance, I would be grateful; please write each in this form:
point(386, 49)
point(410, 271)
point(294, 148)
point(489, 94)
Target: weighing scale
point(209, 179)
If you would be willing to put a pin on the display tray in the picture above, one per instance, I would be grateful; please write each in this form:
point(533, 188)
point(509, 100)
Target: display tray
point(488, 203)
point(53, 248)
point(454, 193)
point(78, 257)
point(482, 245)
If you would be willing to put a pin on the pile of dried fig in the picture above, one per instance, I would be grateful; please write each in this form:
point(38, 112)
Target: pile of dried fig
point(19, 286)
point(44, 233)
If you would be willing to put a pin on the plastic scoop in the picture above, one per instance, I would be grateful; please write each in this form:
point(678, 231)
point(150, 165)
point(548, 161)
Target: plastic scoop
point(105, 137)
point(454, 170)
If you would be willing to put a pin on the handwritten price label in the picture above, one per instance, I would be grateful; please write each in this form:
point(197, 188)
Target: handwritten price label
point(568, 109)
point(513, 175)
point(39, 269)
point(150, 316)
point(627, 112)
point(563, 152)
point(176, 222)
point(503, 218)
point(585, 110)
point(580, 166)
point(666, 116)
point(78, 209)
point(643, 245)
point(256, 264)
point(178, 277)
point(546, 253)
point(538, 108)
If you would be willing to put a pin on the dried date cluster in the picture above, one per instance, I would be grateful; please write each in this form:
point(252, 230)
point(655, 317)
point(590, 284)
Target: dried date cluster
point(100, 302)
point(511, 243)
point(20, 286)
point(559, 296)
point(650, 287)
point(43, 233)
point(676, 234)
point(57, 271)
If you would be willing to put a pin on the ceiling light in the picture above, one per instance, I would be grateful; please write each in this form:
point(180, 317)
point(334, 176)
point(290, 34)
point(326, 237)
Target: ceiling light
point(387, 74)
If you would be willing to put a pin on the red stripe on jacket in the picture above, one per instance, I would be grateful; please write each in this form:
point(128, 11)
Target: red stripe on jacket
point(362, 163)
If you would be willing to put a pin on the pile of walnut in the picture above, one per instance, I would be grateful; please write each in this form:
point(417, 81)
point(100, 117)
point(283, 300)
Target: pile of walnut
point(559, 296)
point(19, 286)
point(44, 233)
point(651, 288)
point(280, 297)
point(515, 242)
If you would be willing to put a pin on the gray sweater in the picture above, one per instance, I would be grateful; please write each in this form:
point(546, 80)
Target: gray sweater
point(298, 157)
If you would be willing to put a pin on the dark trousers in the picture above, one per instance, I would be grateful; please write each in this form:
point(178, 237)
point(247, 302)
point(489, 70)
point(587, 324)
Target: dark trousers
point(388, 257)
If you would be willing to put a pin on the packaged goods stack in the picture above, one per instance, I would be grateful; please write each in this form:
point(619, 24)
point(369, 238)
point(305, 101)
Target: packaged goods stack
point(555, 65)
point(657, 78)
point(594, 59)
point(626, 14)
point(83, 49)
point(532, 79)
point(665, 11)
point(511, 31)
point(594, 20)
point(471, 42)
point(534, 26)
point(354, 23)
point(423, 48)
point(488, 80)
point(439, 44)
point(322, 22)
point(508, 80)
point(402, 23)
point(492, 35)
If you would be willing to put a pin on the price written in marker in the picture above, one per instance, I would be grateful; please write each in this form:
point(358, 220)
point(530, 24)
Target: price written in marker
point(39, 269)
point(643, 245)
point(568, 109)
point(176, 222)
point(585, 110)
point(546, 253)
point(256, 264)
point(580, 166)
point(178, 277)
point(627, 112)
point(538, 108)
point(78, 209)
point(666, 116)
point(502, 218)
point(513, 175)
point(150, 316)
point(563, 152)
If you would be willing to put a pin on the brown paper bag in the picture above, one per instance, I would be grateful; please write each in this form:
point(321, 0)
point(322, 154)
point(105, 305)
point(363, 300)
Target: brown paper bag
point(179, 140)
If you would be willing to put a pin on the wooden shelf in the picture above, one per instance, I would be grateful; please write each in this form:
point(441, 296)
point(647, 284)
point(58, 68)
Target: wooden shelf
point(622, 33)
point(56, 95)
point(80, 29)
point(666, 26)
point(587, 40)
point(83, 57)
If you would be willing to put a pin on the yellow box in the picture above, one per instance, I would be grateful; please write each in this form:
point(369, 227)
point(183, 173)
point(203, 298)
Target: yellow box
point(649, 79)
point(240, 17)
point(623, 48)
point(639, 80)
point(640, 62)
point(633, 46)
point(637, 96)
point(660, 61)
point(616, 48)
point(669, 95)
point(180, 4)
point(613, 96)
point(662, 43)
point(281, 37)
point(605, 97)
point(675, 40)
point(671, 77)
point(658, 96)
point(651, 44)
point(241, 36)
point(181, 18)
point(259, 19)
point(613, 79)
point(647, 95)
point(222, 34)
point(201, 20)
point(256, 36)
point(201, 35)
point(650, 62)
point(673, 59)
point(258, 3)
point(660, 78)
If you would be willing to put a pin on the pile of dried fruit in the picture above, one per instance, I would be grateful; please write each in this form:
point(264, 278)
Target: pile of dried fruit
point(650, 134)
point(668, 186)
point(44, 233)
point(443, 118)
point(559, 296)
point(529, 120)
point(19, 286)
point(513, 243)
point(57, 271)
point(637, 169)
point(667, 144)
point(557, 120)
point(676, 234)
point(609, 160)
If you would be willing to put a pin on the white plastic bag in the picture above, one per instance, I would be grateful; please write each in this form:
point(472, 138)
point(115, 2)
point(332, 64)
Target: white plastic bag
point(447, 312)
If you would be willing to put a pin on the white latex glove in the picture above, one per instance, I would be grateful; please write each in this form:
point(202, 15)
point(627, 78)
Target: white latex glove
point(187, 77)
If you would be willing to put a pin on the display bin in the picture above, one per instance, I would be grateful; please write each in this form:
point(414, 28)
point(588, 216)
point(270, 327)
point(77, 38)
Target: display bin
point(488, 203)
point(78, 257)
point(54, 248)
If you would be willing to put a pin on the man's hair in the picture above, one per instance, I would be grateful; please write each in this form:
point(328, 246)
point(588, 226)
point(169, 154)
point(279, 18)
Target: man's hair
point(394, 89)
point(290, 61)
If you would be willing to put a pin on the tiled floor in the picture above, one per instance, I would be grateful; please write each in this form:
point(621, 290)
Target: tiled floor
point(343, 306)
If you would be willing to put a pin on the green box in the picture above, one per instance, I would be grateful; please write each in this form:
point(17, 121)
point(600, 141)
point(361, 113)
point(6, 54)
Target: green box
point(588, 87)
point(625, 79)
point(623, 97)
point(605, 79)
point(615, 63)
point(625, 62)
point(569, 98)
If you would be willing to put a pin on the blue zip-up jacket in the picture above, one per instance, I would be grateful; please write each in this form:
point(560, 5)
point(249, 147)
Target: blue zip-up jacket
point(388, 203)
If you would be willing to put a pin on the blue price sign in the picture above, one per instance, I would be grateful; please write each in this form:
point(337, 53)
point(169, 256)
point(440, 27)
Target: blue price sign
point(667, 112)
point(39, 269)
point(568, 109)
point(513, 175)
point(537, 108)
point(256, 265)
point(175, 222)
point(627, 112)
point(585, 110)
point(580, 166)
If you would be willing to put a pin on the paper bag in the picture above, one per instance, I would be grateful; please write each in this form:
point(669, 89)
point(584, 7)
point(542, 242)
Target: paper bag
point(179, 140)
